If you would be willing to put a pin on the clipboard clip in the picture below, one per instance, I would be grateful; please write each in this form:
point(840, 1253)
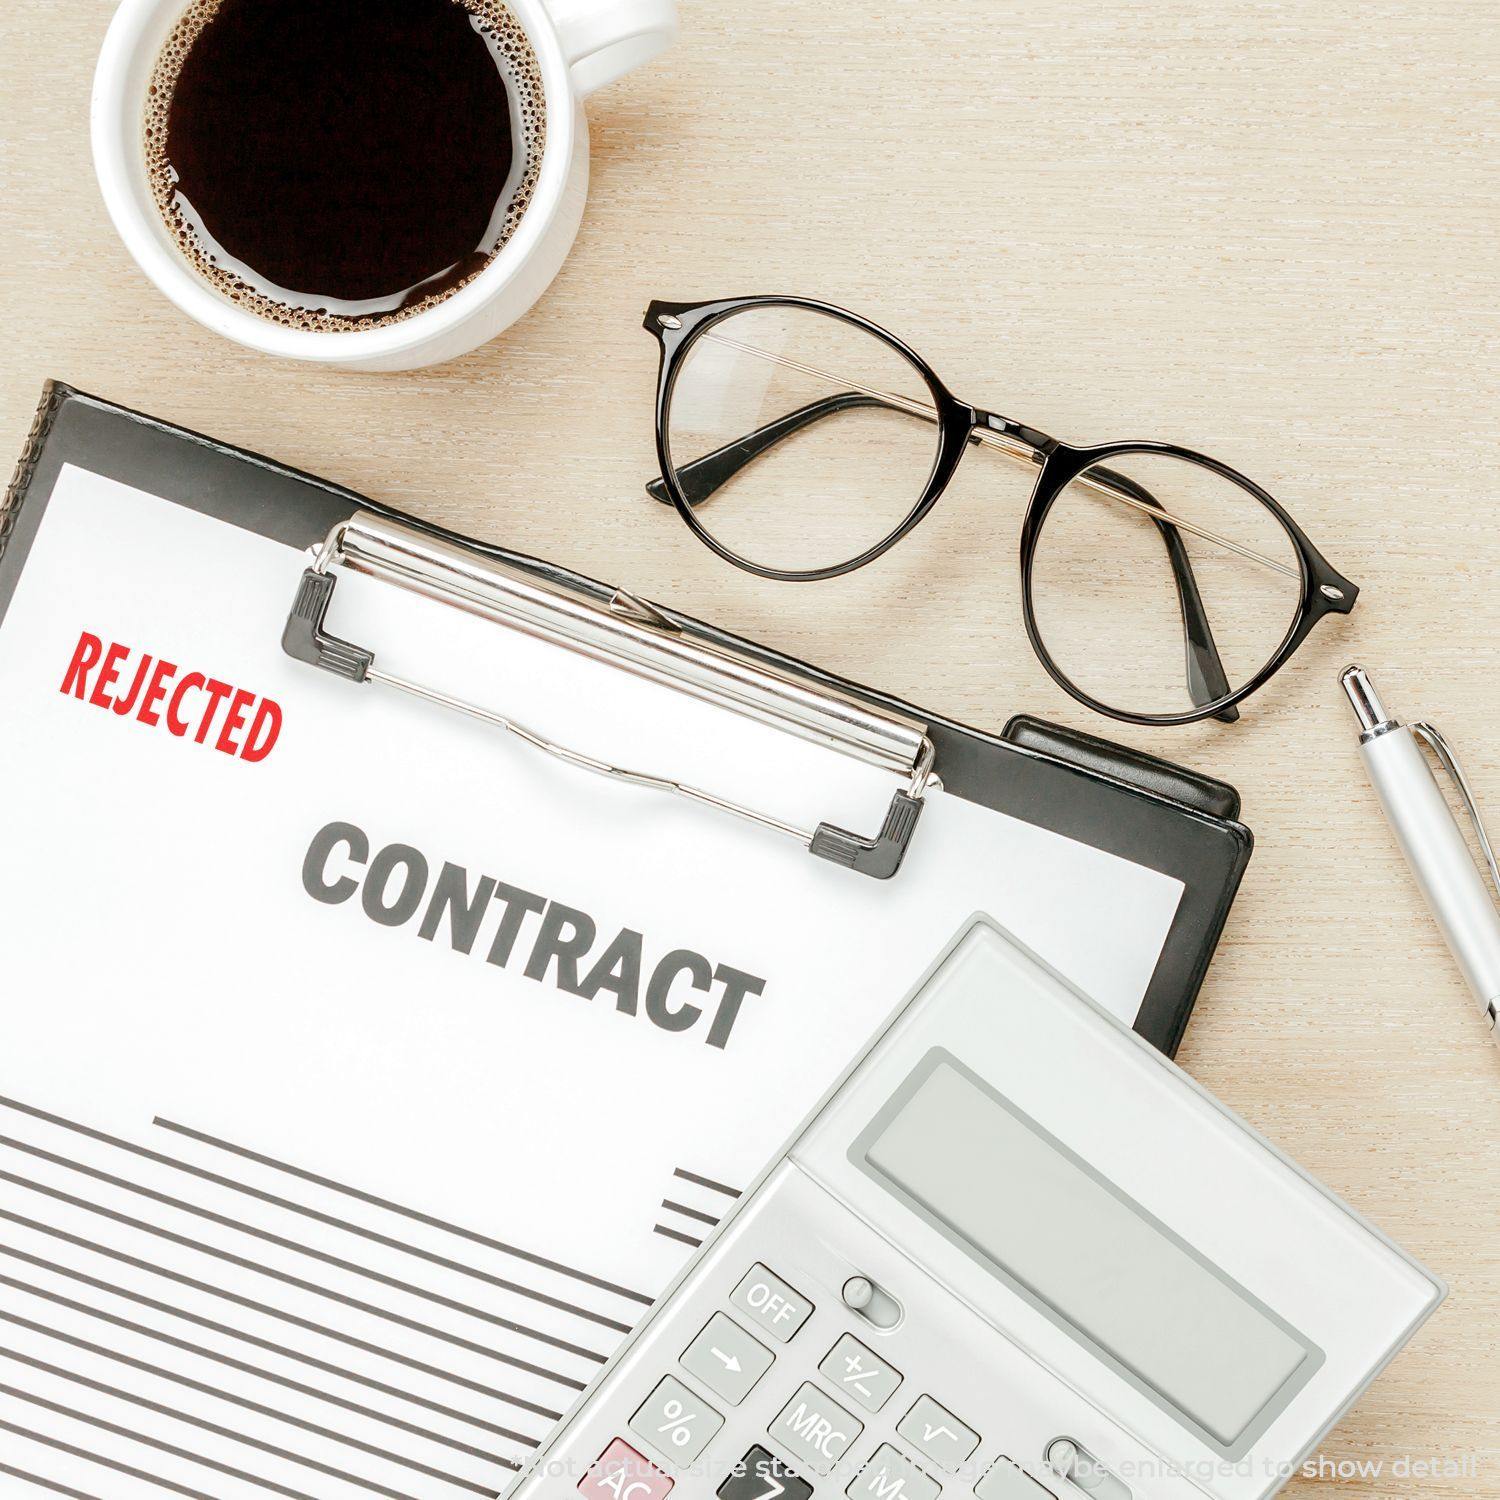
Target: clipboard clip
point(627, 632)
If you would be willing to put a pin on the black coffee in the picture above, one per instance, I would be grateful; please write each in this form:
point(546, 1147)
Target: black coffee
point(336, 163)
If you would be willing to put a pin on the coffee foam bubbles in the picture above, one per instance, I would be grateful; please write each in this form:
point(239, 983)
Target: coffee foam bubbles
point(512, 51)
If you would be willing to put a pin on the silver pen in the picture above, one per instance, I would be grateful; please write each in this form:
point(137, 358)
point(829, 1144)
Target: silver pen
point(1431, 839)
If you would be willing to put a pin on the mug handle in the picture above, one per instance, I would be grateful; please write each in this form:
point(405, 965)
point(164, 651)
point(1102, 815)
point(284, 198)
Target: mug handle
point(604, 39)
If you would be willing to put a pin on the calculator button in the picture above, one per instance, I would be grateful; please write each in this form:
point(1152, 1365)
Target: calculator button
point(858, 1373)
point(1006, 1482)
point(771, 1302)
point(814, 1427)
point(726, 1359)
point(935, 1431)
point(620, 1473)
point(760, 1476)
point(675, 1422)
point(890, 1475)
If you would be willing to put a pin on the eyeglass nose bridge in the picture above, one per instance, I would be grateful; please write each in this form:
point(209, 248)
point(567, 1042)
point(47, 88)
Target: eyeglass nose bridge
point(1026, 442)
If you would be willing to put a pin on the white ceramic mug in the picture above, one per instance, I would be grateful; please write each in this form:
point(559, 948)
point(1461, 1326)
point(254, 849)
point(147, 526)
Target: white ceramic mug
point(580, 45)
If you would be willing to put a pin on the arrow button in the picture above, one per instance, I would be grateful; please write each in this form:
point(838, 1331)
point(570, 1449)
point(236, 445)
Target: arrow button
point(727, 1360)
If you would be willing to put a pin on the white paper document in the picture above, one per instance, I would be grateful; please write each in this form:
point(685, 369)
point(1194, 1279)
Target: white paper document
point(363, 1072)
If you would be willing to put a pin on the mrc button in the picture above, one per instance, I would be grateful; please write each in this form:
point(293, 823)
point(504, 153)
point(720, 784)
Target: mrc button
point(815, 1429)
point(778, 1309)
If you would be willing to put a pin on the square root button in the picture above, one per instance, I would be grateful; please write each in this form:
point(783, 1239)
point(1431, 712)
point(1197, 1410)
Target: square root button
point(816, 1429)
point(936, 1433)
point(620, 1473)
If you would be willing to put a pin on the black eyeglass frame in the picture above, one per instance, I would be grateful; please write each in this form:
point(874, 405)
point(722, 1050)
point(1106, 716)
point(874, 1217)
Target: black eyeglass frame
point(678, 325)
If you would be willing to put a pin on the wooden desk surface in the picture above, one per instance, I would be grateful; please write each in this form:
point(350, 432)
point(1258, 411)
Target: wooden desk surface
point(1263, 229)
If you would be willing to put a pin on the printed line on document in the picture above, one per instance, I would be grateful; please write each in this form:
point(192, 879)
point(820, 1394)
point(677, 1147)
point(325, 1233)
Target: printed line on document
point(173, 1377)
point(331, 1220)
point(280, 1314)
point(287, 1279)
point(415, 1215)
point(213, 1429)
point(59, 1446)
point(691, 1213)
point(676, 1234)
point(324, 1257)
point(186, 1346)
point(707, 1182)
point(45, 1484)
point(159, 1445)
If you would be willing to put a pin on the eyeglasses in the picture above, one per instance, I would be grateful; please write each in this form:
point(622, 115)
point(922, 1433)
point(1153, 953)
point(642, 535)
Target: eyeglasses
point(800, 441)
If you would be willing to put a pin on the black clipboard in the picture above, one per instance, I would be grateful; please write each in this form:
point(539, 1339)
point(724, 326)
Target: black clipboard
point(1132, 805)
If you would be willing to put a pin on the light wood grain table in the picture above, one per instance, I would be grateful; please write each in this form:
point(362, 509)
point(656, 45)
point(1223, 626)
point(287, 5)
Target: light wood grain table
point(1265, 228)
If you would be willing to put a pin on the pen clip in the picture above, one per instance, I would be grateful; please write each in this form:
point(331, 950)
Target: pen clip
point(1448, 758)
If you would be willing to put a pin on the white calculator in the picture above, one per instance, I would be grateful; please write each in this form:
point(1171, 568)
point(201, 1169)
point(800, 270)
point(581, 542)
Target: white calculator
point(1016, 1253)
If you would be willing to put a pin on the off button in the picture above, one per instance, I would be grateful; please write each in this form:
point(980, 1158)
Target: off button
point(766, 1298)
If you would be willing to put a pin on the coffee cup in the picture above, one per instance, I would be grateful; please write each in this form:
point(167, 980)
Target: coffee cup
point(579, 46)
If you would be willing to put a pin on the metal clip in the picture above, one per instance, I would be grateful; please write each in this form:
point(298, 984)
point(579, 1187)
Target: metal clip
point(1448, 759)
point(643, 611)
point(305, 638)
point(628, 632)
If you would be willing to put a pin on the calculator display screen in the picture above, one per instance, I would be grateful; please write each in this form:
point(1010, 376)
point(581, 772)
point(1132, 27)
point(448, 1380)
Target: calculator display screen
point(1076, 1247)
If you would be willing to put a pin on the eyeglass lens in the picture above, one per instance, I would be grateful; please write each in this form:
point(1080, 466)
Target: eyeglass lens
point(1153, 618)
point(848, 436)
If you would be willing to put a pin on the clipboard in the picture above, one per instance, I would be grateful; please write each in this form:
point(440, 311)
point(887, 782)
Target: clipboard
point(1136, 807)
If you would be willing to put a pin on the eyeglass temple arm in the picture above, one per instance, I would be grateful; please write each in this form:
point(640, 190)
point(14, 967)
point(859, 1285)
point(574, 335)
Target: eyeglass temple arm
point(703, 476)
point(1205, 668)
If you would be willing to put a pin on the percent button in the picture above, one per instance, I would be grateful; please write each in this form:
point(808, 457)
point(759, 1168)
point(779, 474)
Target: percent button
point(675, 1422)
